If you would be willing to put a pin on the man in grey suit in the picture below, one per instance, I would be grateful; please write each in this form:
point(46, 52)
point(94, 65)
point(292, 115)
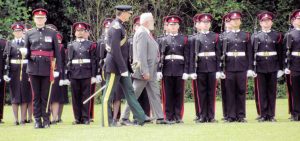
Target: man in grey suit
point(145, 60)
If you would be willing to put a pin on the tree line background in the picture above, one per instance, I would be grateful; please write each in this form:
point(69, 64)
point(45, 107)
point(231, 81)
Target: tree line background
point(63, 13)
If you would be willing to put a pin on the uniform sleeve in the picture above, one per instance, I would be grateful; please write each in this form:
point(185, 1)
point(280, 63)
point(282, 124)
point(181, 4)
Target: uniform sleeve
point(186, 55)
point(284, 51)
point(27, 45)
point(192, 55)
point(218, 52)
point(94, 59)
point(116, 49)
point(279, 50)
point(249, 50)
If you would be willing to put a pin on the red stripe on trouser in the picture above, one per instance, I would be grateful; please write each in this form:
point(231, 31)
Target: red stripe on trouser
point(256, 92)
point(258, 95)
point(198, 98)
point(182, 106)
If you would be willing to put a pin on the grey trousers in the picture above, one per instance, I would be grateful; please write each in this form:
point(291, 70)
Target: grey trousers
point(153, 93)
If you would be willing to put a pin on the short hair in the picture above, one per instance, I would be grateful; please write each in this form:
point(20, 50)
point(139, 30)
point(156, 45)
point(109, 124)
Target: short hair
point(145, 17)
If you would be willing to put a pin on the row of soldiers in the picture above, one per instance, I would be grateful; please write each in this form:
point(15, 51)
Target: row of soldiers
point(39, 64)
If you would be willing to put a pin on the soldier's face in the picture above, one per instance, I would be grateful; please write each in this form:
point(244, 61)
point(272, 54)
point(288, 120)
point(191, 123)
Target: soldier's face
point(173, 27)
point(39, 20)
point(126, 16)
point(236, 23)
point(227, 25)
point(79, 33)
point(18, 33)
point(266, 24)
point(86, 35)
point(296, 22)
point(205, 25)
point(136, 26)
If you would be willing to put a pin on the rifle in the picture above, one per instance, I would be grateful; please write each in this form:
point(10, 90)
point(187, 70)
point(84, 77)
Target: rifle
point(255, 45)
point(196, 52)
point(288, 47)
point(224, 46)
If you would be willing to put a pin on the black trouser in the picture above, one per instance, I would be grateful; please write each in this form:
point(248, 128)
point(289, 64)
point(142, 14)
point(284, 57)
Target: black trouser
point(81, 90)
point(235, 83)
point(196, 99)
point(256, 97)
point(224, 101)
point(266, 87)
point(93, 90)
point(295, 94)
point(289, 92)
point(40, 87)
point(206, 85)
point(144, 102)
point(173, 97)
point(2, 98)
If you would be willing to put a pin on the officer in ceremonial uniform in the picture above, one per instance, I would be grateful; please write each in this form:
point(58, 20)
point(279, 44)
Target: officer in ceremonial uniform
point(238, 59)
point(20, 90)
point(118, 67)
point(175, 64)
point(206, 53)
point(81, 72)
point(43, 50)
point(292, 66)
point(267, 50)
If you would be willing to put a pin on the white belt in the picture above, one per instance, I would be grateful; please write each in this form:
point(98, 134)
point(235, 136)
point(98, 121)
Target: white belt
point(18, 61)
point(174, 57)
point(235, 54)
point(266, 53)
point(206, 54)
point(81, 61)
point(296, 54)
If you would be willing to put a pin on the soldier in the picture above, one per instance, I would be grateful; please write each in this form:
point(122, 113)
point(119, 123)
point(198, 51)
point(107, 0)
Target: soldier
point(42, 48)
point(175, 51)
point(238, 59)
point(82, 72)
point(118, 67)
point(267, 51)
point(14, 54)
point(2, 83)
point(207, 52)
point(292, 50)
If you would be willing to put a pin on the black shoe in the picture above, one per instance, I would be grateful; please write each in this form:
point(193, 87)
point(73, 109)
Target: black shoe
point(126, 122)
point(76, 122)
point(28, 121)
point(59, 121)
point(91, 120)
point(262, 119)
point(228, 120)
point(1, 122)
point(201, 120)
point(38, 125)
point(242, 120)
point(46, 125)
point(162, 121)
point(148, 120)
point(86, 122)
point(23, 122)
point(16, 123)
point(212, 120)
point(272, 119)
point(53, 122)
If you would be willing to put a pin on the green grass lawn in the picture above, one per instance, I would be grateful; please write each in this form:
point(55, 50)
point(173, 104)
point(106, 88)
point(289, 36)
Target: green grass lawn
point(283, 130)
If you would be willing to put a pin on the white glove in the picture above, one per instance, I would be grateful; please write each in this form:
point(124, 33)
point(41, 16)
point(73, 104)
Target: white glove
point(251, 73)
point(185, 76)
point(218, 75)
point(67, 82)
point(159, 76)
point(287, 71)
point(93, 80)
point(61, 82)
point(223, 76)
point(193, 76)
point(23, 51)
point(6, 78)
point(280, 73)
point(98, 78)
point(125, 74)
point(55, 74)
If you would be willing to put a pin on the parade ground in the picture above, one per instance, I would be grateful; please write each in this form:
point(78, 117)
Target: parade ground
point(282, 130)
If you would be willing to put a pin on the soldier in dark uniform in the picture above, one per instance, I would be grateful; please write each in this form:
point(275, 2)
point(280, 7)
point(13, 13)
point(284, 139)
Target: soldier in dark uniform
point(292, 65)
point(118, 68)
point(14, 54)
point(42, 48)
point(2, 82)
point(175, 70)
point(267, 48)
point(206, 52)
point(227, 29)
point(238, 61)
point(82, 72)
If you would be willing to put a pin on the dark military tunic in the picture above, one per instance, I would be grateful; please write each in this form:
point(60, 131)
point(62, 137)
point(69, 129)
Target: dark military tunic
point(268, 51)
point(20, 88)
point(239, 59)
point(208, 52)
point(175, 50)
point(42, 47)
point(82, 60)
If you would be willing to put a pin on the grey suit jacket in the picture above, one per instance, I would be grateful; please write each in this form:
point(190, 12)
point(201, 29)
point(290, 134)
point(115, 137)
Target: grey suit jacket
point(145, 54)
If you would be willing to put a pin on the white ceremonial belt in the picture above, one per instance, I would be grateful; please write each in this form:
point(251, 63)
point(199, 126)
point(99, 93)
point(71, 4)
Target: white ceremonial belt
point(206, 54)
point(294, 53)
point(18, 61)
point(174, 57)
point(235, 54)
point(266, 53)
point(81, 61)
